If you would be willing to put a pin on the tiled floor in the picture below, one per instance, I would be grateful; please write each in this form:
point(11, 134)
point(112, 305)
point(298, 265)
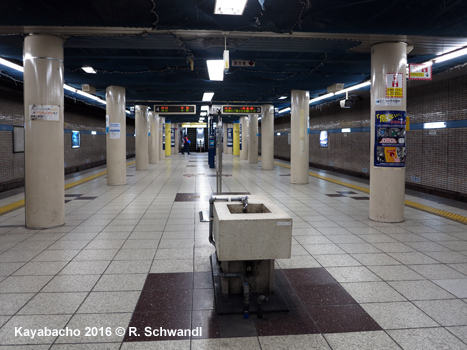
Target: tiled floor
point(138, 256)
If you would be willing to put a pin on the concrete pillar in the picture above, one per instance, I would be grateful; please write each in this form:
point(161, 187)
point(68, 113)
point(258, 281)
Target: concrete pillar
point(299, 151)
point(176, 149)
point(116, 135)
point(142, 151)
point(253, 140)
point(157, 141)
point(161, 137)
point(168, 139)
point(43, 129)
point(244, 122)
point(387, 179)
point(267, 138)
point(153, 136)
point(236, 139)
point(224, 132)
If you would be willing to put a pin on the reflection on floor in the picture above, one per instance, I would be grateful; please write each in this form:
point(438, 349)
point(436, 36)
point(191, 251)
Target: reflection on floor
point(138, 256)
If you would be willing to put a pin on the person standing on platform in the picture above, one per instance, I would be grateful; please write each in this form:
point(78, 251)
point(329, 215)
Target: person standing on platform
point(186, 145)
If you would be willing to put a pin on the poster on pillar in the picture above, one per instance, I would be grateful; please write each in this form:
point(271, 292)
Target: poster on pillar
point(394, 85)
point(390, 139)
point(163, 136)
point(172, 137)
point(240, 137)
point(229, 137)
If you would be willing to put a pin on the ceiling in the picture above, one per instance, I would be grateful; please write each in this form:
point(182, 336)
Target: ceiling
point(147, 46)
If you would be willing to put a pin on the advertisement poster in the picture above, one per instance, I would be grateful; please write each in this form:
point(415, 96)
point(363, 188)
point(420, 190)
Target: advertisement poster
point(114, 131)
point(172, 137)
point(323, 138)
point(229, 137)
point(75, 139)
point(390, 139)
point(241, 136)
point(163, 136)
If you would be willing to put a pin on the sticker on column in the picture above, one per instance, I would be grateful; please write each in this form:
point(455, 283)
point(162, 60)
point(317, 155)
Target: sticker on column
point(390, 139)
point(229, 137)
point(394, 85)
point(107, 121)
point(388, 102)
point(115, 130)
point(44, 112)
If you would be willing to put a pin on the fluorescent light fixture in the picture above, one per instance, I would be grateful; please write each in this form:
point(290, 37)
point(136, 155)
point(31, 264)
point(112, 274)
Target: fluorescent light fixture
point(93, 132)
point(346, 130)
point(278, 134)
point(229, 7)
point(354, 87)
point(451, 55)
point(286, 109)
point(435, 125)
point(11, 65)
point(321, 97)
point(207, 96)
point(215, 69)
point(69, 88)
point(92, 97)
point(205, 108)
point(89, 70)
point(282, 97)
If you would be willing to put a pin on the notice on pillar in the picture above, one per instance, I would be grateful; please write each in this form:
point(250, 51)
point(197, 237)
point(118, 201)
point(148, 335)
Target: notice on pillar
point(172, 137)
point(394, 85)
point(44, 112)
point(229, 137)
point(390, 139)
point(114, 130)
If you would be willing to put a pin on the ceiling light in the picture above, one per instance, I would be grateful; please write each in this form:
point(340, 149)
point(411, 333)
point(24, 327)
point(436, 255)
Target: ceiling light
point(354, 87)
point(282, 97)
point(435, 125)
point(215, 69)
point(207, 96)
point(11, 65)
point(346, 130)
point(229, 7)
point(89, 70)
point(451, 55)
point(286, 109)
point(69, 88)
point(321, 97)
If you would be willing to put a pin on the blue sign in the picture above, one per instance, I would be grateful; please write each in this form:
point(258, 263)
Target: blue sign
point(390, 139)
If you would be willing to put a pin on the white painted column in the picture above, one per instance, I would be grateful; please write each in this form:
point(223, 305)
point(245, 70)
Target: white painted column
point(44, 137)
point(253, 140)
point(387, 181)
point(153, 151)
point(157, 139)
point(244, 136)
point(161, 137)
point(115, 142)
point(267, 138)
point(299, 151)
point(142, 151)
point(224, 132)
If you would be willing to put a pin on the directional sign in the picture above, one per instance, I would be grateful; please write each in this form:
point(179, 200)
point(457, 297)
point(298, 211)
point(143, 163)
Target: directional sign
point(241, 110)
point(175, 109)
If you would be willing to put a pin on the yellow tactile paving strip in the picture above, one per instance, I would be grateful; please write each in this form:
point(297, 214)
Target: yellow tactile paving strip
point(426, 208)
point(19, 204)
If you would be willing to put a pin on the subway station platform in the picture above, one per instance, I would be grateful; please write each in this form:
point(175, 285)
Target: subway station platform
point(136, 257)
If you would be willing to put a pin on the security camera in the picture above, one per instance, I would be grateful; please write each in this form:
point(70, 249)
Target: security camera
point(347, 103)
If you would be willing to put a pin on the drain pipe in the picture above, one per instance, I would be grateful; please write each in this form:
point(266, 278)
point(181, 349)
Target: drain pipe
point(261, 299)
point(246, 300)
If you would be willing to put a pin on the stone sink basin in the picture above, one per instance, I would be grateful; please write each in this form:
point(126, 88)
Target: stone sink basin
point(264, 232)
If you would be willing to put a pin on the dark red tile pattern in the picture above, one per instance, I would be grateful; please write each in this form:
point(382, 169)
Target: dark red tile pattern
point(316, 301)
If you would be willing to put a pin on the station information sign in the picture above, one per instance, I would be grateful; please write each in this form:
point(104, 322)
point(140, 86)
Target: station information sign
point(241, 110)
point(175, 109)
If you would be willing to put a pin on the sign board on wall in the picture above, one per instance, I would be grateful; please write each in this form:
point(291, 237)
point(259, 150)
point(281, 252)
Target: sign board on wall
point(420, 71)
point(390, 139)
point(229, 137)
point(115, 131)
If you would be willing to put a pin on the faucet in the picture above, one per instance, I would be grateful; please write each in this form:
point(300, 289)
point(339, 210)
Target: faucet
point(245, 203)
